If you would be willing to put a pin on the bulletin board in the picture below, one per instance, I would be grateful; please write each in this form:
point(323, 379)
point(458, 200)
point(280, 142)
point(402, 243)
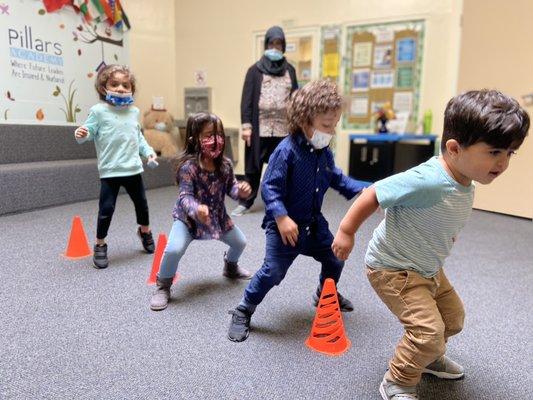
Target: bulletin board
point(383, 64)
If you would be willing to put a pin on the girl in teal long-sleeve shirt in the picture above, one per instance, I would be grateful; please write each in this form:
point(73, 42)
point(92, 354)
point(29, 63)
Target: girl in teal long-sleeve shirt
point(114, 127)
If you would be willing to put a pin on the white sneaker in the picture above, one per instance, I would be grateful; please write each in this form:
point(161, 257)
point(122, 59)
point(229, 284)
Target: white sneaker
point(391, 391)
point(445, 368)
point(239, 211)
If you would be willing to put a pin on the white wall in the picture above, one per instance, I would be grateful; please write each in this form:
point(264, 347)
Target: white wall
point(153, 51)
point(496, 53)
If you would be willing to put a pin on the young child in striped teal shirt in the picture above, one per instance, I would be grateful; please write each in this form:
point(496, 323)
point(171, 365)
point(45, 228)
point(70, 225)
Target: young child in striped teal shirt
point(426, 207)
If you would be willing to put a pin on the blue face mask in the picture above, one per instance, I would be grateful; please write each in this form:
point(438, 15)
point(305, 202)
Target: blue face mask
point(273, 54)
point(119, 99)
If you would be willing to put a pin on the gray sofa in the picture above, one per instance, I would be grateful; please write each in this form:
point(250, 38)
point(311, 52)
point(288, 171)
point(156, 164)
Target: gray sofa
point(43, 166)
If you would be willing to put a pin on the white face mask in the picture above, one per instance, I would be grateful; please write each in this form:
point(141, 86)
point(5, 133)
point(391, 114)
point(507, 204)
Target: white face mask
point(320, 139)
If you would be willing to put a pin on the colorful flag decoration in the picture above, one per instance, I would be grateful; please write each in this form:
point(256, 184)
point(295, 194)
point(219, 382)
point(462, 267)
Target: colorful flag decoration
point(54, 5)
point(103, 10)
point(90, 11)
point(82, 6)
point(119, 16)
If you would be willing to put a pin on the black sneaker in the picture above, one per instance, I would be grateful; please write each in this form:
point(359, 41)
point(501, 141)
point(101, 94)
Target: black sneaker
point(345, 304)
point(239, 328)
point(147, 240)
point(100, 260)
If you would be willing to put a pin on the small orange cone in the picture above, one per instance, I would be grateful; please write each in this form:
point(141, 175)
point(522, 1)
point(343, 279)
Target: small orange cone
point(78, 245)
point(327, 333)
point(158, 256)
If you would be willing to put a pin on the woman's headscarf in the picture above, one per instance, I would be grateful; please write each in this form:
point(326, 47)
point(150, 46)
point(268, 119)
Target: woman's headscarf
point(267, 66)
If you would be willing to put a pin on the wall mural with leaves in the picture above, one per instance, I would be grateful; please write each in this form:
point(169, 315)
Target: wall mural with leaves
point(50, 53)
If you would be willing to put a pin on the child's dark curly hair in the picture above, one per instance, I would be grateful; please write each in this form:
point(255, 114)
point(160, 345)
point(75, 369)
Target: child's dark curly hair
point(317, 97)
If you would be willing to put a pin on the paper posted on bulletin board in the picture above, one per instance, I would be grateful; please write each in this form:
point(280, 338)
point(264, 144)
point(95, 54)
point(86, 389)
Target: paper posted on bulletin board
point(331, 52)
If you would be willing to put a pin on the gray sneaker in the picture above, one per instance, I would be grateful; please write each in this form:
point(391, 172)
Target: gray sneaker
point(239, 328)
point(161, 296)
point(100, 260)
point(240, 210)
point(445, 368)
point(392, 391)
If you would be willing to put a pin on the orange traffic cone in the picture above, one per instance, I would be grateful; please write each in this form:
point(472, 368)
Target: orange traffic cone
point(158, 256)
point(78, 245)
point(327, 333)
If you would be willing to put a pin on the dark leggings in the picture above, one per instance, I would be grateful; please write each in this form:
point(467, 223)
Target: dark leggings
point(109, 188)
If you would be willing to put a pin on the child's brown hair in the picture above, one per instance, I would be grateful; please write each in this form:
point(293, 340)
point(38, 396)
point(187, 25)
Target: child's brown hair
point(487, 116)
point(106, 73)
point(317, 97)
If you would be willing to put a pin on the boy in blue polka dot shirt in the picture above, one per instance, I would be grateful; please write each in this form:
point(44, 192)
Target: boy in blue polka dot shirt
point(299, 173)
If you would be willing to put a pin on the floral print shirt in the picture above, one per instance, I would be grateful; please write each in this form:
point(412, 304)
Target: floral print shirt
point(198, 186)
point(275, 91)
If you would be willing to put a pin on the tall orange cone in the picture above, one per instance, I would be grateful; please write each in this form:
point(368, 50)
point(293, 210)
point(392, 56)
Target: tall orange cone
point(327, 333)
point(158, 256)
point(78, 245)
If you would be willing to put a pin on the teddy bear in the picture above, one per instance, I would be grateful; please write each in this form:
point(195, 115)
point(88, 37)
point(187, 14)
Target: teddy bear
point(160, 132)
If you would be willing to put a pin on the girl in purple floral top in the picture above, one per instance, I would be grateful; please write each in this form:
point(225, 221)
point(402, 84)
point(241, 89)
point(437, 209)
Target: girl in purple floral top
point(204, 177)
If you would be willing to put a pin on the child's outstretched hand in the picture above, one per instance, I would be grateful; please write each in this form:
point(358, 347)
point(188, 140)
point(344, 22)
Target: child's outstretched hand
point(203, 213)
point(81, 132)
point(342, 245)
point(245, 190)
point(288, 230)
point(151, 162)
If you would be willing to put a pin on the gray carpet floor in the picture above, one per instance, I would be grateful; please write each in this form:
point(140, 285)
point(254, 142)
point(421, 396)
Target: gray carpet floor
point(68, 331)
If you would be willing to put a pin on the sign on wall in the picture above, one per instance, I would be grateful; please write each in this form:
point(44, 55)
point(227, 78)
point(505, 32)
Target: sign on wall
point(49, 61)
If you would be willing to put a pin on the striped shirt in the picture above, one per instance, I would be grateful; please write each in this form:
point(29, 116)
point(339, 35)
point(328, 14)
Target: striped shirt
point(425, 210)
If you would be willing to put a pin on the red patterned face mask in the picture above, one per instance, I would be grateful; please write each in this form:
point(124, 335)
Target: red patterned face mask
point(212, 146)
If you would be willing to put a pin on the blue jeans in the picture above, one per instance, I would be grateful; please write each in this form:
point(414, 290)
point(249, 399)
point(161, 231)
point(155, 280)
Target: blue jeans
point(180, 238)
point(279, 257)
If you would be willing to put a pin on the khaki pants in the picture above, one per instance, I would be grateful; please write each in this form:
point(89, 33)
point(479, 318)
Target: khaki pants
point(430, 311)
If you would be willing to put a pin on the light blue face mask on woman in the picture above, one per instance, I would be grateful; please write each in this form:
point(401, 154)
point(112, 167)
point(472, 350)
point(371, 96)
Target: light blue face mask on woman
point(119, 99)
point(273, 54)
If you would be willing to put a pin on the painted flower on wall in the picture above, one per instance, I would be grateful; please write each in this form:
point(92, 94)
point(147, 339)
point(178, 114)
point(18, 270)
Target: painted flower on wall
point(70, 109)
